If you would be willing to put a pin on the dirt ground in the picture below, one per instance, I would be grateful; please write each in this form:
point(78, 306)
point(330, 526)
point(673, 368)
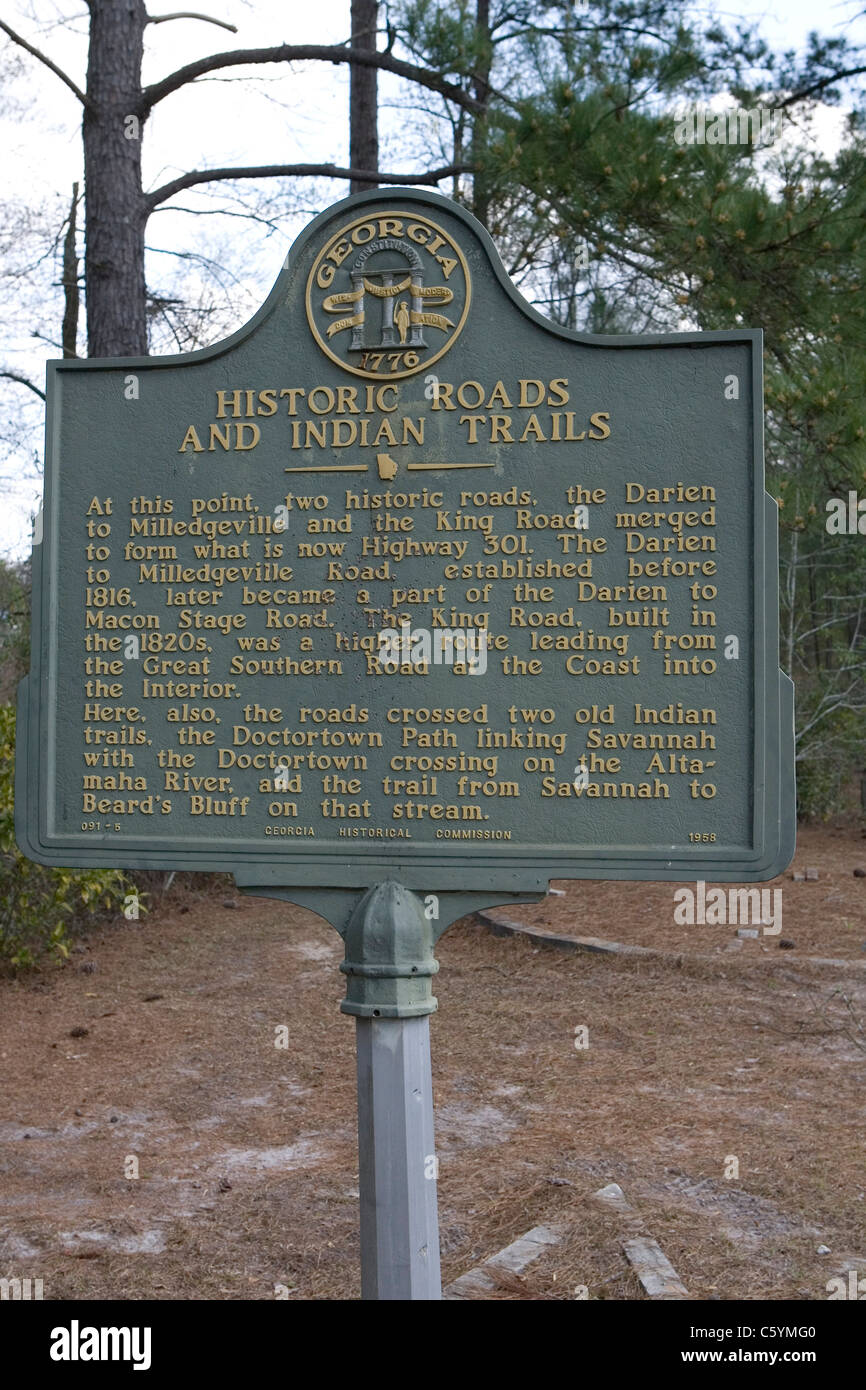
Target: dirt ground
point(822, 917)
point(722, 1089)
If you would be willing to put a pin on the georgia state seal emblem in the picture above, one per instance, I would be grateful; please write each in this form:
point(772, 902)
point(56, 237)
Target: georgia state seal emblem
point(388, 294)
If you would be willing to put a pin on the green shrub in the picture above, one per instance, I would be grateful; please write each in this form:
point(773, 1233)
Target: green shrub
point(821, 785)
point(831, 761)
point(41, 908)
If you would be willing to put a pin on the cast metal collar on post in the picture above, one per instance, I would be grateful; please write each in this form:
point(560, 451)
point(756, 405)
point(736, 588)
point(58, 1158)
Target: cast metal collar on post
point(389, 955)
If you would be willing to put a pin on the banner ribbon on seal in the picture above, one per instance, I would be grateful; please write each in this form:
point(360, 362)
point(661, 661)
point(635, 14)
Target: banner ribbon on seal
point(334, 303)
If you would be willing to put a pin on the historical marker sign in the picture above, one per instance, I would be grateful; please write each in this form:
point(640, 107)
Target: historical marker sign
point(401, 580)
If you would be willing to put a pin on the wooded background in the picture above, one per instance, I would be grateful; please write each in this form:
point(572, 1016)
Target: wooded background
point(555, 124)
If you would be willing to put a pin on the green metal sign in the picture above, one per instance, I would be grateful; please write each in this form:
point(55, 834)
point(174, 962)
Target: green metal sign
point(402, 581)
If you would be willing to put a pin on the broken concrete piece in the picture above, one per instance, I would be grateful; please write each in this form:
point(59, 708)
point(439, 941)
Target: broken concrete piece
point(613, 1196)
point(478, 1283)
point(654, 1269)
point(500, 926)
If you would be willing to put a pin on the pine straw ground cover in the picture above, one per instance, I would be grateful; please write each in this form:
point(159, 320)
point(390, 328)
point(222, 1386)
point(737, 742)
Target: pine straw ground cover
point(246, 1151)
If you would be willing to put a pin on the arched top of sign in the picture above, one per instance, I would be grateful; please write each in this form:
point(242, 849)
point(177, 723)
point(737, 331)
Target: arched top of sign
point(380, 312)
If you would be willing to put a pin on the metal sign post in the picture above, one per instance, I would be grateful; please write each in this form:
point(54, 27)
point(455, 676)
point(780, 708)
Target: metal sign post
point(390, 934)
point(389, 964)
point(398, 1165)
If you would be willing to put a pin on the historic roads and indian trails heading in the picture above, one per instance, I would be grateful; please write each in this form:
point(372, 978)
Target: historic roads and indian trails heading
point(402, 579)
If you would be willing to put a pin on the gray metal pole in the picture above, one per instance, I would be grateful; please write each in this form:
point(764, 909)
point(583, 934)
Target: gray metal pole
point(390, 934)
point(389, 965)
point(398, 1169)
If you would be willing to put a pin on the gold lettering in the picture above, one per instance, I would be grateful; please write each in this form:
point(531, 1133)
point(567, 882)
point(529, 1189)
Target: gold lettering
point(191, 441)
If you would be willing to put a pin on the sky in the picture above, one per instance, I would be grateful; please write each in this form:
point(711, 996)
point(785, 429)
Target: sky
point(294, 116)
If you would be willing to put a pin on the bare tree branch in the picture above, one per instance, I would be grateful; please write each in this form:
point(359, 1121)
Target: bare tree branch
point(191, 14)
point(288, 53)
point(23, 381)
point(268, 171)
point(271, 223)
point(41, 338)
point(821, 85)
point(58, 72)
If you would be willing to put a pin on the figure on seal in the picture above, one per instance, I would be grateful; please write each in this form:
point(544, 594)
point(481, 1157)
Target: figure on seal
point(401, 318)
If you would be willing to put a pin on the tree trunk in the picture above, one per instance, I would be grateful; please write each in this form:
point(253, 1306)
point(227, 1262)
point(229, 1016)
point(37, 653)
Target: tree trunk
point(70, 281)
point(363, 97)
point(114, 204)
point(481, 92)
